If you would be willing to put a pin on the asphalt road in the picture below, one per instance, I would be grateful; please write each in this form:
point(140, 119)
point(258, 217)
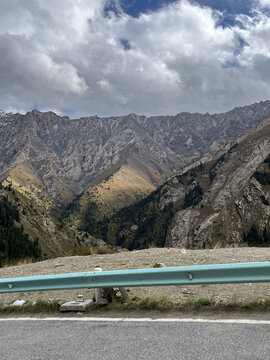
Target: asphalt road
point(102, 340)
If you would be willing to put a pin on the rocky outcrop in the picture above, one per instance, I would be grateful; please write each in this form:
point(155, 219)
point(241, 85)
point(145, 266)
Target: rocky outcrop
point(235, 196)
point(181, 231)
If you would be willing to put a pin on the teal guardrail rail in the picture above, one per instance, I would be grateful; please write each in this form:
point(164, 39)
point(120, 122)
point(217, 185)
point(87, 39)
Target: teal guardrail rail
point(182, 275)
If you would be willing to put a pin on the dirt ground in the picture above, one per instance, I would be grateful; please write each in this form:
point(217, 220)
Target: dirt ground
point(146, 259)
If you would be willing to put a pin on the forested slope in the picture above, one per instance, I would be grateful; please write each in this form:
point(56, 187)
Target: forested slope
point(14, 243)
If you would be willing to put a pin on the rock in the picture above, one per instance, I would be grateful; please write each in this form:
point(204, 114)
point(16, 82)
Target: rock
point(102, 302)
point(134, 228)
point(158, 265)
point(180, 232)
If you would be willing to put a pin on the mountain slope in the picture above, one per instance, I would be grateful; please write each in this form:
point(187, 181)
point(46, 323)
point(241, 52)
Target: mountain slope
point(14, 243)
point(54, 239)
point(130, 183)
point(221, 200)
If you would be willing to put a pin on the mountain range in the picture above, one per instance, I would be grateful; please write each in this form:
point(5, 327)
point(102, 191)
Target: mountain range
point(83, 171)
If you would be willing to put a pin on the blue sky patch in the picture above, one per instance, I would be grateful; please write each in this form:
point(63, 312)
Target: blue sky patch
point(229, 8)
point(137, 7)
point(125, 43)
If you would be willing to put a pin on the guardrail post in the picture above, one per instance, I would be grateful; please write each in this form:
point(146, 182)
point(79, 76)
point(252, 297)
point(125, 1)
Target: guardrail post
point(98, 291)
point(124, 293)
point(98, 295)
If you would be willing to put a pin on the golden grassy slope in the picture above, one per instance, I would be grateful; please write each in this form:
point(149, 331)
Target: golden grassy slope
point(25, 181)
point(123, 188)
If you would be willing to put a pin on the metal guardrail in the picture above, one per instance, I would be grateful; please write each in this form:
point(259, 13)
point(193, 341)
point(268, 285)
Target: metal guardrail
point(182, 275)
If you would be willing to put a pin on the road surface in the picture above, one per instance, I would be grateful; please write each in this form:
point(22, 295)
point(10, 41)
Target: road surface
point(86, 338)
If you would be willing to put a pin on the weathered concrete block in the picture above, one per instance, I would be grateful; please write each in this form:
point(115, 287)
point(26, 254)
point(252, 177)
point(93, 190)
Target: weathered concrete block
point(76, 305)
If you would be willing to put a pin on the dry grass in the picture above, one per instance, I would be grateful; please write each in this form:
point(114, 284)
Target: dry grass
point(123, 188)
point(41, 306)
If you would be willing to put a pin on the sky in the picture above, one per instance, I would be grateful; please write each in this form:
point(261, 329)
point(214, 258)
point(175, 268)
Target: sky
point(149, 57)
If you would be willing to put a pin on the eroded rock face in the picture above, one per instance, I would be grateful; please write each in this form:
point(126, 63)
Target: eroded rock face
point(235, 196)
point(182, 227)
point(69, 155)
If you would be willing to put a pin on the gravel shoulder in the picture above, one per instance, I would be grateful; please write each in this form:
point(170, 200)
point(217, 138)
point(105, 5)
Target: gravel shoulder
point(146, 259)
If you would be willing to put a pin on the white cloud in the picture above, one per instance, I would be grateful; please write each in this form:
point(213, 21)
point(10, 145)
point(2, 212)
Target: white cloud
point(69, 55)
point(265, 3)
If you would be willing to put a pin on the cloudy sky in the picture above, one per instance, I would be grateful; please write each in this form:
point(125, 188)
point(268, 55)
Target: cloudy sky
point(114, 57)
